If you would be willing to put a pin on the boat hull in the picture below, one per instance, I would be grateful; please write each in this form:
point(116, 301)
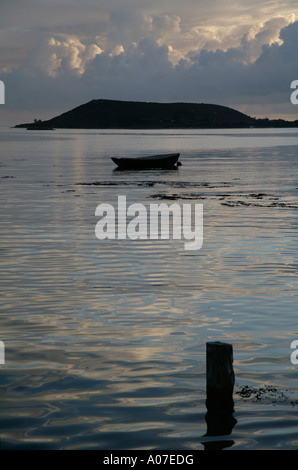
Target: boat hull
point(142, 163)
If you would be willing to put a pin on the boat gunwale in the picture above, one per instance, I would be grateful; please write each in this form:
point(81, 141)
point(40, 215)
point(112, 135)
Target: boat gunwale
point(147, 158)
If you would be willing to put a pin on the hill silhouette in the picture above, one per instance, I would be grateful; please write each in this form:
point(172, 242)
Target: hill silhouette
point(113, 114)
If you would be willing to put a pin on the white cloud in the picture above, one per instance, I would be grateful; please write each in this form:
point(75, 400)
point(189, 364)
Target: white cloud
point(53, 56)
point(266, 34)
point(119, 49)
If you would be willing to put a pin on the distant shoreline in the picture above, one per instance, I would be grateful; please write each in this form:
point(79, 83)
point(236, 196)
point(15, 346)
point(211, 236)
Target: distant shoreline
point(135, 115)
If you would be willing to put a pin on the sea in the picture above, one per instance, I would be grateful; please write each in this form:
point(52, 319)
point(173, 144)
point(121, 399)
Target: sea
point(103, 341)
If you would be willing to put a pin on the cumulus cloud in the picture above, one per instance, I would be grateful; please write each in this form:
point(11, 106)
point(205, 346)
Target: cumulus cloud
point(53, 56)
point(266, 35)
point(164, 64)
point(250, 44)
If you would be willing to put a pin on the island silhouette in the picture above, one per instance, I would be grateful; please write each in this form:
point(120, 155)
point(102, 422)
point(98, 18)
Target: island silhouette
point(114, 114)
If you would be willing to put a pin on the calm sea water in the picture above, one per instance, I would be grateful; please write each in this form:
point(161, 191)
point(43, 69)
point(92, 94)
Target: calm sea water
point(105, 340)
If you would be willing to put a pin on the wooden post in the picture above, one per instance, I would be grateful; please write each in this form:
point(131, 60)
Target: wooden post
point(220, 377)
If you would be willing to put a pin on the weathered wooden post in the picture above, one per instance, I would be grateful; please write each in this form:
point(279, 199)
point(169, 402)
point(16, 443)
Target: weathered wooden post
point(220, 376)
point(219, 402)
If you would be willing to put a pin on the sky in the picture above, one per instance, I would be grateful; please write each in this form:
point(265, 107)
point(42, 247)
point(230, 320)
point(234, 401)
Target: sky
point(58, 54)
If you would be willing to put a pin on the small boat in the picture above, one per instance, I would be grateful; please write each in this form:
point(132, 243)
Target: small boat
point(153, 161)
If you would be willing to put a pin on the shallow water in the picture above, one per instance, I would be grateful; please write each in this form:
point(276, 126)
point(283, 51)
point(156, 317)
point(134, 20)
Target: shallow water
point(105, 339)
